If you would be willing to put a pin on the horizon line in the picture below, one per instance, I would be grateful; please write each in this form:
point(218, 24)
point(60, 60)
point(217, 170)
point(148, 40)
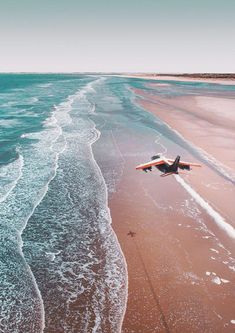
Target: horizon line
point(119, 72)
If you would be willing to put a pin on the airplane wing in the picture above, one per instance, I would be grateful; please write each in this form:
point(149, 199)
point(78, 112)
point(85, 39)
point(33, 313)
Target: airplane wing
point(158, 161)
point(182, 163)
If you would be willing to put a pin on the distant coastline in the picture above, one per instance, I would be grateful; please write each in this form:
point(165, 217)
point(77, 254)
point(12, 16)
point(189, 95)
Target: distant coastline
point(219, 78)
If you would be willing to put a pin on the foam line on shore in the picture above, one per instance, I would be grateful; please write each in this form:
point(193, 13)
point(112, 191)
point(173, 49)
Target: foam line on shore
point(114, 234)
point(219, 220)
point(110, 221)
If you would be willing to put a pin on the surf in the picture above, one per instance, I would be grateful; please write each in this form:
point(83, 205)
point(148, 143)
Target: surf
point(78, 180)
point(27, 181)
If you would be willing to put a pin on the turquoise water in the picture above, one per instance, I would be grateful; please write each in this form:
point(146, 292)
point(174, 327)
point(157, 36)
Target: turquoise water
point(62, 269)
point(55, 224)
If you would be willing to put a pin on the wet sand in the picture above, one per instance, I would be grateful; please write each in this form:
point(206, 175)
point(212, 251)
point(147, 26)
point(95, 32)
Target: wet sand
point(170, 259)
point(209, 124)
point(180, 265)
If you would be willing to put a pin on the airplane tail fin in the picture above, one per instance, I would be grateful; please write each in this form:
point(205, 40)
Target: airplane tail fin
point(174, 166)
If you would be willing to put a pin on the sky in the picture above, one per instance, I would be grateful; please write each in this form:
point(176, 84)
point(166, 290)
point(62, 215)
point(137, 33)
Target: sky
point(166, 36)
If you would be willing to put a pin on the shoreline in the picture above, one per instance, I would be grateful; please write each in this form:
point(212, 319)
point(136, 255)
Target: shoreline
point(123, 295)
point(182, 78)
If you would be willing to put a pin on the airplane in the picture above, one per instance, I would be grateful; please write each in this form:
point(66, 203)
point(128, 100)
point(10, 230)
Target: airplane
point(131, 233)
point(167, 166)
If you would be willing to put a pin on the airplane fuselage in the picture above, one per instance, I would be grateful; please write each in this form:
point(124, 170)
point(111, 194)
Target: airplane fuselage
point(166, 165)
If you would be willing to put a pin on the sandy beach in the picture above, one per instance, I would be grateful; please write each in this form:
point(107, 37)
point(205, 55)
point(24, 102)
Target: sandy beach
point(180, 265)
point(176, 281)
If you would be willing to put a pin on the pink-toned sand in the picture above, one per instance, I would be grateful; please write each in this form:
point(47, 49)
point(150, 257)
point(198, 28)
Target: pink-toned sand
point(174, 264)
point(180, 266)
point(208, 123)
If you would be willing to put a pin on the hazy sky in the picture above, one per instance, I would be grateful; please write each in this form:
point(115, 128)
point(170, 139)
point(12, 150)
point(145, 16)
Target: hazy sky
point(121, 35)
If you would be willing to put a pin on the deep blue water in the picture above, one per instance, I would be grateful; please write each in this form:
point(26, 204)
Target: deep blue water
point(61, 266)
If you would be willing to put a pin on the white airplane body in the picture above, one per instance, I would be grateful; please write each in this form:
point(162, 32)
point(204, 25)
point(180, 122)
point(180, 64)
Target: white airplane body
point(167, 166)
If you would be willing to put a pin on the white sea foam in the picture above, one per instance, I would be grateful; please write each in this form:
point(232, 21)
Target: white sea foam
point(119, 247)
point(59, 118)
point(15, 101)
point(54, 128)
point(9, 122)
point(80, 135)
point(112, 273)
point(44, 85)
point(33, 100)
point(216, 280)
point(10, 175)
point(214, 250)
point(33, 172)
point(219, 220)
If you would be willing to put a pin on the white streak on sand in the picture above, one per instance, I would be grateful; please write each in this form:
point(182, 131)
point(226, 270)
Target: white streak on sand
point(219, 220)
point(232, 268)
point(216, 279)
point(214, 250)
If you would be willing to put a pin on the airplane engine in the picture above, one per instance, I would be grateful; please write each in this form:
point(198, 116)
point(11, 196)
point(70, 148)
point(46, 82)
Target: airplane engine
point(147, 169)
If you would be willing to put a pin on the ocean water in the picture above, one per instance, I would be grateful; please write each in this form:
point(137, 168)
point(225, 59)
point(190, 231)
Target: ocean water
point(62, 269)
point(61, 266)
